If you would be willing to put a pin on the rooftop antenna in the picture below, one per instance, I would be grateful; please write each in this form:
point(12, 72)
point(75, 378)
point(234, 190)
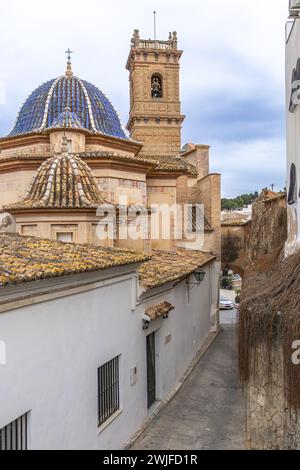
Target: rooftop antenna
point(154, 18)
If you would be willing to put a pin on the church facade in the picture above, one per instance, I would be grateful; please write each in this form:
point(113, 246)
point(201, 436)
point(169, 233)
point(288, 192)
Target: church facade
point(68, 138)
point(97, 333)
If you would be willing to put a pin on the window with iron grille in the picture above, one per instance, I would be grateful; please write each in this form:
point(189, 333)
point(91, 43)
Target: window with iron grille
point(14, 435)
point(108, 390)
point(195, 219)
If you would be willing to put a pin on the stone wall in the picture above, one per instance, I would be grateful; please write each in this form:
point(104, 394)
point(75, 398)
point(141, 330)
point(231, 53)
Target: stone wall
point(271, 425)
point(235, 246)
point(269, 224)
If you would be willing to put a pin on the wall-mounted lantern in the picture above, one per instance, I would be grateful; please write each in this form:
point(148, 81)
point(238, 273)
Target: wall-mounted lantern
point(199, 276)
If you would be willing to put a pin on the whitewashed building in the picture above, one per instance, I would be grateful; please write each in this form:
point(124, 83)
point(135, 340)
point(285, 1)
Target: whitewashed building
point(293, 126)
point(90, 354)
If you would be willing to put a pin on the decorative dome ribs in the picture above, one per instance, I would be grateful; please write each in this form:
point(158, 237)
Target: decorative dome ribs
point(67, 120)
point(92, 109)
point(62, 182)
point(31, 115)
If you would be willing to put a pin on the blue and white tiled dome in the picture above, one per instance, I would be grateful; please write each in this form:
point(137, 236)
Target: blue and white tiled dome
point(88, 109)
point(67, 120)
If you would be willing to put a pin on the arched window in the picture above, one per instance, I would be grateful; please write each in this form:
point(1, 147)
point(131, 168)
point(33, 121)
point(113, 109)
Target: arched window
point(156, 86)
point(292, 197)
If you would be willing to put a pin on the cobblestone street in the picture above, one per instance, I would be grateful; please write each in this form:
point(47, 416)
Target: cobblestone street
point(208, 411)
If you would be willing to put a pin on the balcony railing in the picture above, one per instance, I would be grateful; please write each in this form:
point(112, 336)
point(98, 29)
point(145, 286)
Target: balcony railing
point(139, 43)
point(152, 44)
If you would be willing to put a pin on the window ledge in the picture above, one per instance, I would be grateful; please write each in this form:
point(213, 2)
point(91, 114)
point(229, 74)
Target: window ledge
point(109, 421)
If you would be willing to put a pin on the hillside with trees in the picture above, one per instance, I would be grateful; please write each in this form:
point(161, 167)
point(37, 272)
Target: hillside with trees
point(239, 202)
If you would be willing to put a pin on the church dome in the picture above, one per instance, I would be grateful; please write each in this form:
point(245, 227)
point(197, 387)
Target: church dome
point(63, 181)
point(87, 106)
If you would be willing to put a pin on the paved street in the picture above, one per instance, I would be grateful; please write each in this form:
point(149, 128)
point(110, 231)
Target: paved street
point(207, 412)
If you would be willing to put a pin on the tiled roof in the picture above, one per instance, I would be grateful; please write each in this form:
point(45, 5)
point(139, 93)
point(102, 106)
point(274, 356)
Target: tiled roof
point(29, 258)
point(159, 310)
point(236, 222)
point(159, 163)
point(171, 163)
point(98, 154)
point(167, 266)
point(62, 182)
point(47, 102)
point(67, 120)
point(25, 258)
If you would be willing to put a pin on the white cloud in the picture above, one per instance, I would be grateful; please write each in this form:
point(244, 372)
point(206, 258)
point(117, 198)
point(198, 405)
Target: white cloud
point(2, 92)
point(231, 47)
point(250, 166)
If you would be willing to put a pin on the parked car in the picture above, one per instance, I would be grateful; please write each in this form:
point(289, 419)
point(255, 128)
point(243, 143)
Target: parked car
point(226, 304)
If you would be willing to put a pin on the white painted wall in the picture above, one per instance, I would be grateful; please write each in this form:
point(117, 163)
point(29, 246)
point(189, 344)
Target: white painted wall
point(293, 138)
point(54, 349)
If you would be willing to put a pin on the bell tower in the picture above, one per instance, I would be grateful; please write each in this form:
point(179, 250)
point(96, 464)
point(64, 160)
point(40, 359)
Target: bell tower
point(155, 112)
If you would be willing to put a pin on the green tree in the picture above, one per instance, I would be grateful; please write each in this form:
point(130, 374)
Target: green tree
point(239, 202)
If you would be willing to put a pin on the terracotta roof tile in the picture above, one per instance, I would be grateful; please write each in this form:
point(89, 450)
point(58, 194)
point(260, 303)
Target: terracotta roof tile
point(167, 266)
point(236, 223)
point(30, 258)
point(62, 182)
point(171, 163)
point(160, 310)
point(158, 162)
point(98, 154)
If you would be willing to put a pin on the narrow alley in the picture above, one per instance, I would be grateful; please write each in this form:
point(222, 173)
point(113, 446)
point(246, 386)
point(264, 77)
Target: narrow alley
point(208, 411)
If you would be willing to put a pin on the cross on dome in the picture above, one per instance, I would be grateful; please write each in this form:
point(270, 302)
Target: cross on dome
point(69, 52)
point(69, 72)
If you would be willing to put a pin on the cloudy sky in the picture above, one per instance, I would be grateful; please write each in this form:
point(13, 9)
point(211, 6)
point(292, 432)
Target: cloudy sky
point(232, 73)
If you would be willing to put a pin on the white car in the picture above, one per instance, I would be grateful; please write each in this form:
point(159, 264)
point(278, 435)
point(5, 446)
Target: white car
point(226, 304)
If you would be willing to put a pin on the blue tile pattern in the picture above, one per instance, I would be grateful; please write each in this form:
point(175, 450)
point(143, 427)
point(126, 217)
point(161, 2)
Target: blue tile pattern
point(88, 108)
point(31, 114)
point(67, 120)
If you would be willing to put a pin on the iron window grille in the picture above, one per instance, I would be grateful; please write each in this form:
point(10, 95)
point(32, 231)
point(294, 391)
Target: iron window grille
point(108, 390)
point(14, 435)
point(195, 219)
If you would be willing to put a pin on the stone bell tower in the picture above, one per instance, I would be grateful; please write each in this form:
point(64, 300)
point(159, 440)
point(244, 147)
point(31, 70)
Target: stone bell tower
point(155, 113)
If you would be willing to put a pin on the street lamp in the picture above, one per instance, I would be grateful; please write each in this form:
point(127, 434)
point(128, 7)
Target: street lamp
point(199, 276)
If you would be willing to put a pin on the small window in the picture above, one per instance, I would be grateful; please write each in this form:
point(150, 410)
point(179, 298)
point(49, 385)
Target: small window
point(292, 196)
point(156, 86)
point(66, 237)
point(14, 435)
point(195, 219)
point(108, 390)
point(70, 146)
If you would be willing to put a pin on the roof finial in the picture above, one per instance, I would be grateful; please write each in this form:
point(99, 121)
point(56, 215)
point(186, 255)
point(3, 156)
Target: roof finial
point(154, 18)
point(69, 72)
